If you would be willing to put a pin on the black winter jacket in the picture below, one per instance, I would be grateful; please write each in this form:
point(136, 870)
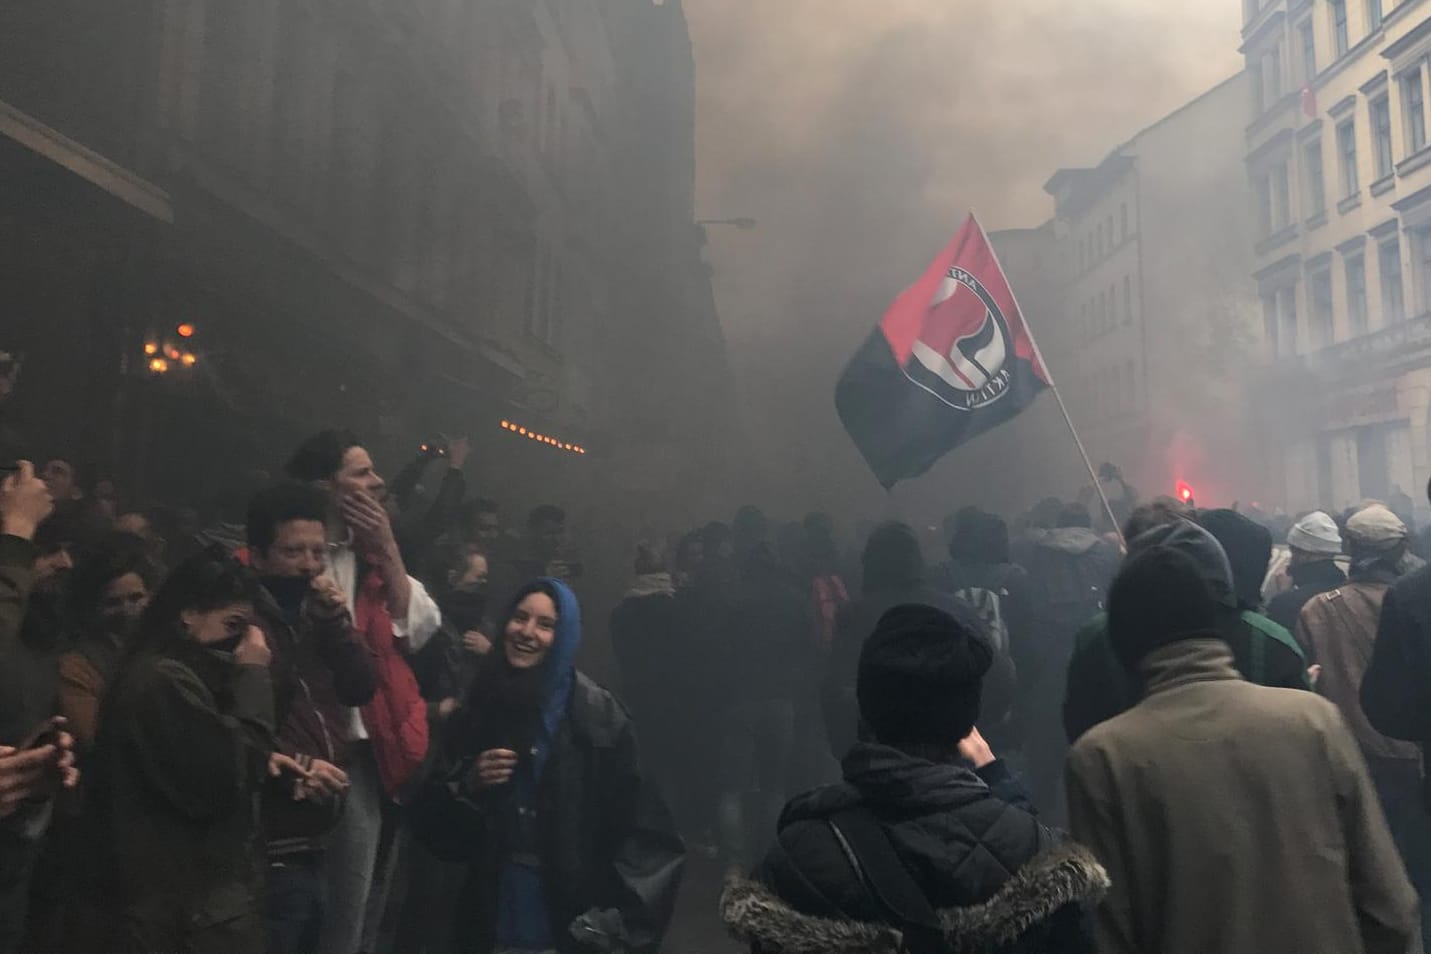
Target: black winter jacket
point(1308, 580)
point(963, 837)
point(608, 848)
point(1396, 690)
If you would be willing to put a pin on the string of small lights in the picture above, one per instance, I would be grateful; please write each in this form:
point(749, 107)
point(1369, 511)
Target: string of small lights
point(532, 435)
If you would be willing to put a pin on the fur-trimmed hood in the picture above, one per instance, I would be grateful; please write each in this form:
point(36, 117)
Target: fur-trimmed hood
point(1067, 874)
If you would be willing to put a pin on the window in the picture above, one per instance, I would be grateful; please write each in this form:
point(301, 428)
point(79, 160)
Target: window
point(1421, 246)
point(1272, 75)
point(1356, 293)
point(1381, 136)
point(1256, 85)
point(1413, 107)
point(1340, 41)
point(1287, 319)
point(1281, 197)
point(1123, 222)
point(1309, 51)
point(1346, 148)
point(1108, 224)
point(1269, 321)
point(1132, 399)
point(1393, 301)
point(1373, 15)
point(1102, 312)
point(1127, 300)
point(1314, 179)
point(1098, 246)
point(1319, 287)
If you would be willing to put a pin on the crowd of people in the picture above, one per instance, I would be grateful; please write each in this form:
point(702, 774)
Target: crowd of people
point(347, 718)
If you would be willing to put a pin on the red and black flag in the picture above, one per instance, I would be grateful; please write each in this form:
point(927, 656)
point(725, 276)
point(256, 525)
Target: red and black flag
point(951, 359)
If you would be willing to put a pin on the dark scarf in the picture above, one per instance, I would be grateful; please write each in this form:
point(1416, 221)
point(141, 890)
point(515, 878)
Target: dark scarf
point(504, 706)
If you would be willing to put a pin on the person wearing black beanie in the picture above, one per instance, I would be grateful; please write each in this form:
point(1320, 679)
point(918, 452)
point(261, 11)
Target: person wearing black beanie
point(920, 680)
point(1194, 779)
point(926, 820)
point(1098, 688)
point(1160, 597)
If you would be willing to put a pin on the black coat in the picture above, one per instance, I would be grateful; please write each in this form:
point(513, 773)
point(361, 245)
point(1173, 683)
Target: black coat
point(1396, 690)
point(1308, 580)
point(607, 841)
point(651, 641)
point(961, 835)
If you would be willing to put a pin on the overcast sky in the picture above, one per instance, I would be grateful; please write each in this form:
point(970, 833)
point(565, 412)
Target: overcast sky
point(859, 131)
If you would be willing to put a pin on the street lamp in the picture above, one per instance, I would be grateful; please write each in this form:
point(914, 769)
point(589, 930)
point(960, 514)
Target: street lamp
point(743, 223)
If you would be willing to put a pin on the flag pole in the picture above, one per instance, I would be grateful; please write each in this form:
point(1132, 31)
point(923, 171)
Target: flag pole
point(1052, 385)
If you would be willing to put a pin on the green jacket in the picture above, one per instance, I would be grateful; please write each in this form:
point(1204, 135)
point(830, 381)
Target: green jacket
point(181, 755)
point(1099, 688)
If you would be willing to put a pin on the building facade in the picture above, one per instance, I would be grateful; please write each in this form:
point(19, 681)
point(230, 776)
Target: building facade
point(396, 216)
point(1154, 345)
point(1338, 155)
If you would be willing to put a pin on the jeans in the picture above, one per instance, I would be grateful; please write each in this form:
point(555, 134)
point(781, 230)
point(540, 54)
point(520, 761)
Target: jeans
point(352, 856)
point(756, 740)
point(1398, 786)
point(295, 905)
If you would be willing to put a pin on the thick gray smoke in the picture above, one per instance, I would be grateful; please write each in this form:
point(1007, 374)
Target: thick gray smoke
point(859, 132)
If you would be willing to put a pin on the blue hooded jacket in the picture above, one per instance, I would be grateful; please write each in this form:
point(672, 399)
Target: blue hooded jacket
point(524, 918)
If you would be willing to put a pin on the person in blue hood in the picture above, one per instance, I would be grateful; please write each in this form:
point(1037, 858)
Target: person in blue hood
point(569, 847)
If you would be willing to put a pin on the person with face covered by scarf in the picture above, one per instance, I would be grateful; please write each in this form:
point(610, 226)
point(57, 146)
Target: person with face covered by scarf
point(568, 845)
point(185, 735)
point(319, 668)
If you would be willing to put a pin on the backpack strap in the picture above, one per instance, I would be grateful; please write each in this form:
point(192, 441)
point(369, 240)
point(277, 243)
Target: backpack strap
point(887, 882)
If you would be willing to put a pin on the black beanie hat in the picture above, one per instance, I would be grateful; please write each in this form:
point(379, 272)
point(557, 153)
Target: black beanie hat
point(1161, 596)
point(920, 677)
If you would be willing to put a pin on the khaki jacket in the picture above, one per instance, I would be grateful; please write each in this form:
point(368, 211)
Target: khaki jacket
point(1235, 818)
point(1340, 627)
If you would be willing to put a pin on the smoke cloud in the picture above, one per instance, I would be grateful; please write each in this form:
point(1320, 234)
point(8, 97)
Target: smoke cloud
point(859, 133)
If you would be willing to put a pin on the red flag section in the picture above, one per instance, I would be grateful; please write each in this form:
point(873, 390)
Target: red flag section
point(952, 357)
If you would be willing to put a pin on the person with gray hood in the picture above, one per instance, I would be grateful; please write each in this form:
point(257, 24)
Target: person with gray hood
point(1098, 688)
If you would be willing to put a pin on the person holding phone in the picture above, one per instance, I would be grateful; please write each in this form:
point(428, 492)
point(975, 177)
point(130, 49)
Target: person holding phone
point(184, 744)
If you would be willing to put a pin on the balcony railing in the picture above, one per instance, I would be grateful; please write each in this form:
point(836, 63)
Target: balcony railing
point(1405, 342)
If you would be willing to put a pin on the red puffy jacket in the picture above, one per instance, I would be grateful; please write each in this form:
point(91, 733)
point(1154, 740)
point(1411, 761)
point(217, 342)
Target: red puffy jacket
point(396, 716)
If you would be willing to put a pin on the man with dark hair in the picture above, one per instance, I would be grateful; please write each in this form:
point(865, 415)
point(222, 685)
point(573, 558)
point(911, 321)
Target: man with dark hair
point(1185, 798)
point(481, 523)
point(928, 835)
point(393, 616)
point(320, 669)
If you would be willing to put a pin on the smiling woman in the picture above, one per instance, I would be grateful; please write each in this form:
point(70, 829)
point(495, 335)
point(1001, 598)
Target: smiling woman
point(541, 793)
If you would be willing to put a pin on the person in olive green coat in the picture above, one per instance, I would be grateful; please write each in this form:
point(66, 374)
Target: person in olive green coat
point(184, 744)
